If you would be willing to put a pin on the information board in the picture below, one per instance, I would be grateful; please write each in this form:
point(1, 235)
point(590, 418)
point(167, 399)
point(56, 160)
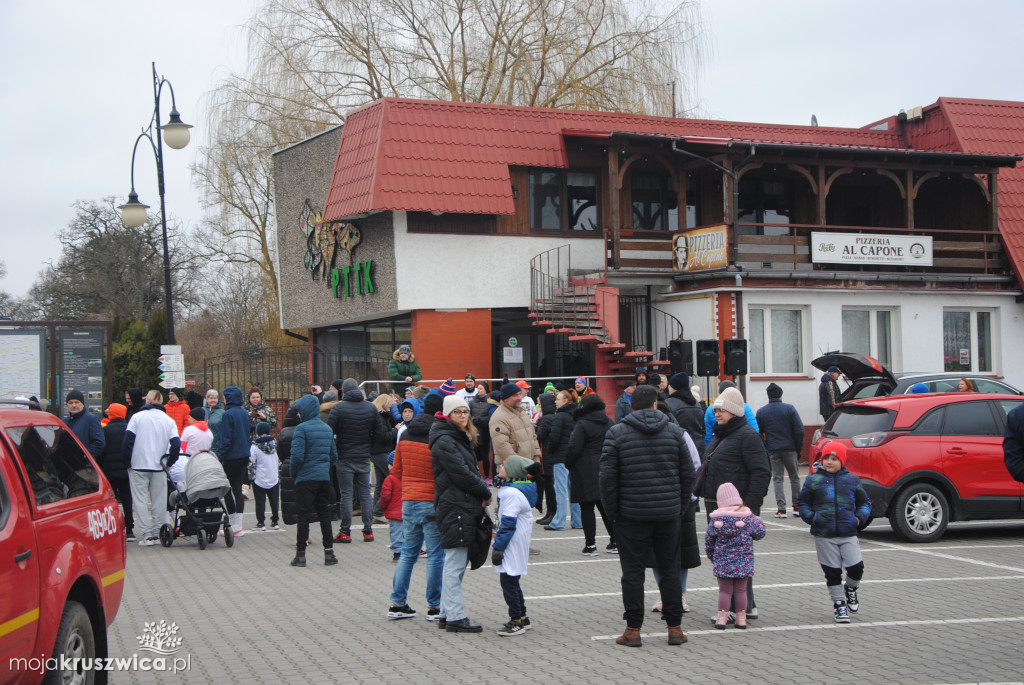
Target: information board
point(81, 366)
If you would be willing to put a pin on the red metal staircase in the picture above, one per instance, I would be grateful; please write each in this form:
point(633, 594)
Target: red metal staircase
point(586, 309)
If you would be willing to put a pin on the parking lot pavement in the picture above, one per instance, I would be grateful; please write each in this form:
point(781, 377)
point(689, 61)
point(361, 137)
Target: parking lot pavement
point(949, 612)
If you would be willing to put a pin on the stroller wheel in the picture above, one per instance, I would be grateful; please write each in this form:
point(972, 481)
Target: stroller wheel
point(211, 536)
point(166, 535)
point(202, 540)
point(229, 536)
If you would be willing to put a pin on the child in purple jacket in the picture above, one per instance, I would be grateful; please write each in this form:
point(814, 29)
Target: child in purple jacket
point(729, 544)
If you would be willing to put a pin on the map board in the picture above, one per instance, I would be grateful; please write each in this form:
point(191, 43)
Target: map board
point(22, 363)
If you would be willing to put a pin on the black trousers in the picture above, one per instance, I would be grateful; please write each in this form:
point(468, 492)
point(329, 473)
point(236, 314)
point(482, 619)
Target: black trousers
point(636, 539)
point(513, 595)
point(590, 522)
point(123, 492)
point(261, 495)
point(381, 470)
point(235, 470)
point(313, 496)
point(547, 494)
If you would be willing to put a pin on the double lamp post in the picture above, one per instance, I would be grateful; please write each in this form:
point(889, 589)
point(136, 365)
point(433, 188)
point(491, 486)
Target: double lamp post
point(133, 213)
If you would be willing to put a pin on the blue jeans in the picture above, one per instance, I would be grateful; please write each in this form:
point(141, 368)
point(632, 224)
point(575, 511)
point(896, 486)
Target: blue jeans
point(416, 529)
point(355, 474)
point(396, 529)
point(455, 561)
point(561, 472)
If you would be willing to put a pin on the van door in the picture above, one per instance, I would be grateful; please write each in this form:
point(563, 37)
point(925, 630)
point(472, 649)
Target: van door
point(19, 573)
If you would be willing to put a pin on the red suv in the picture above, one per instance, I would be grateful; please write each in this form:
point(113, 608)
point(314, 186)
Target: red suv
point(62, 552)
point(929, 459)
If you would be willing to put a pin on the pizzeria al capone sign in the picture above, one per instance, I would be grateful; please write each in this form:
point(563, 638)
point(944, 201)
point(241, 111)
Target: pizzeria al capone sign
point(859, 248)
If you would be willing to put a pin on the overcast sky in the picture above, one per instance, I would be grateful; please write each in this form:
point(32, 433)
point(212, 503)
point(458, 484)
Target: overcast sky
point(76, 90)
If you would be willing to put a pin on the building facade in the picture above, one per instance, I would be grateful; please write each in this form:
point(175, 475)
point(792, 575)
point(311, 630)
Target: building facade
point(532, 242)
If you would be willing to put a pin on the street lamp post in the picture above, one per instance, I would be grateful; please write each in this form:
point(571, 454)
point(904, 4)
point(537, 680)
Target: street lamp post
point(133, 213)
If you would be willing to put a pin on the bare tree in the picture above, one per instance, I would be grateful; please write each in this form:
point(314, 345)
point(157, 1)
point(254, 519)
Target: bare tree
point(313, 60)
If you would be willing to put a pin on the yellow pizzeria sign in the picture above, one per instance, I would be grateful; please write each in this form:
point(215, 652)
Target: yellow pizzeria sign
point(701, 249)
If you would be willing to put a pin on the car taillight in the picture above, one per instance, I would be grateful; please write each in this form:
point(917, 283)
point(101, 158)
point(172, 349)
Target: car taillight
point(816, 437)
point(870, 439)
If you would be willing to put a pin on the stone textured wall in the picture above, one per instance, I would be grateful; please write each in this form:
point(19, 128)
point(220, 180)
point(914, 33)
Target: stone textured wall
point(303, 171)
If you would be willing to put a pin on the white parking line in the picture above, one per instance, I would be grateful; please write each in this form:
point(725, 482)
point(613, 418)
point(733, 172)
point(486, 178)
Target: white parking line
point(777, 586)
point(951, 557)
point(834, 626)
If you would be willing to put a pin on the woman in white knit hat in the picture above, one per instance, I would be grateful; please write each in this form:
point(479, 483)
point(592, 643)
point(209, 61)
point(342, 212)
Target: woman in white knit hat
point(736, 455)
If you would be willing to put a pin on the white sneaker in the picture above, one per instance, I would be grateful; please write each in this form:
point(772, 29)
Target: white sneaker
point(240, 532)
point(259, 528)
point(149, 542)
point(274, 526)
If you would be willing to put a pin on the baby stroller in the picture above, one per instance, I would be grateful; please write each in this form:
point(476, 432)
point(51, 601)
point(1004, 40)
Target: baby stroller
point(198, 508)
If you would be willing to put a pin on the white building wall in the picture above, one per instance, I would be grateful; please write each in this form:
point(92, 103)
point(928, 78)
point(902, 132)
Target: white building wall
point(917, 337)
point(474, 271)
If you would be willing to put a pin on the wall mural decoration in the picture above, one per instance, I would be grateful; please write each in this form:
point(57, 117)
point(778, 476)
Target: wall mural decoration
point(322, 241)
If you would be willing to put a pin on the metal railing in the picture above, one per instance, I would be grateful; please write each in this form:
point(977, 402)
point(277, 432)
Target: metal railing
point(647, 327)
point(549, 277)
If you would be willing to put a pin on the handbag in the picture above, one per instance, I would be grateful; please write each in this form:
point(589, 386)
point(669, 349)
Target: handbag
point(480, 545)
point(698, 481)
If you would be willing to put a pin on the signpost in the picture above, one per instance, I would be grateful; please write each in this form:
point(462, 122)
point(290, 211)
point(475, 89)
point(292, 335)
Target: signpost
point(171, 366)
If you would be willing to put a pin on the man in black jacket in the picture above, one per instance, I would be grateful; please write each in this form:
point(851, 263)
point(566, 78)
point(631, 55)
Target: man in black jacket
point(683, 405)
point(828, 392)
point(355, 422)
point(646, 479)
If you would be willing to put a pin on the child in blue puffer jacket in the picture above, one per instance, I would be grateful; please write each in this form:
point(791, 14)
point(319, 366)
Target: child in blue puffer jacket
point(835, 504)
point(313, 452)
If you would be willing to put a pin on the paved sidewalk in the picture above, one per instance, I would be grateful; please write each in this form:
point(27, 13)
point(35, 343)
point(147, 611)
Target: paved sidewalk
point(950, 612)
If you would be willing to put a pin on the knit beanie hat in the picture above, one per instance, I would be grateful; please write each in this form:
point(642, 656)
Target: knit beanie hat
point(836, 449)
point(433, 402)
point(773, 391)
point(262, 428)
point(404, 349)
point(74, 395)
point(448, 387)
point(679, 381)
point(451, 403)
point(550, 387)
point(695, 390)
point(515, 466)
point(918, 388)
point(199, 414)
point(731, 400)
point(349, 385)
point(337, 383)
point(509, 390)
point(420, 391)
point(728, 496)
point(654, 379)
point(329, 396)
point(725, 384)
point(581, 379)
point(117, 411)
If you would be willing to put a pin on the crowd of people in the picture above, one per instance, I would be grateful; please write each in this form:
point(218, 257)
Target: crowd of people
point(438, 456)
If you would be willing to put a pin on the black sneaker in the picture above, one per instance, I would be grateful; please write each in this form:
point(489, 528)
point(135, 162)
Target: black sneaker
point(588, 551)
point(463, 625)
point(513, 627)
point(526, 622)
point(841, 615)
point(612, 548)
point(130, 536)
point(434, 614)
point(404, 611)
point(852, 603)
point(442, 623)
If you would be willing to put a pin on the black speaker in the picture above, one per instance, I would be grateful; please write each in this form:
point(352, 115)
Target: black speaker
point(736, 357)
point(707, 357)
point(680, 356)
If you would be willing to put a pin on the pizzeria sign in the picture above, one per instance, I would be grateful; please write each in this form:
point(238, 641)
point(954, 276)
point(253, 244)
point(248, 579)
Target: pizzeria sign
point(859, 248)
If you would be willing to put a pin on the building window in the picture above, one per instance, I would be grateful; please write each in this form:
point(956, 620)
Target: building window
point(776, 340)
point(551, 191)
point(655, 202)
point(764, 201)
point(868, 331)
point(967, 340)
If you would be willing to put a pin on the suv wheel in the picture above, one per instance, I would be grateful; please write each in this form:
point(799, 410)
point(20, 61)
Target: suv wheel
point(920, 513)
point(74, 640)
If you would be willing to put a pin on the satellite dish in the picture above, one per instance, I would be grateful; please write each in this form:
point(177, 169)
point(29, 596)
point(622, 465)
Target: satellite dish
point(814, 120)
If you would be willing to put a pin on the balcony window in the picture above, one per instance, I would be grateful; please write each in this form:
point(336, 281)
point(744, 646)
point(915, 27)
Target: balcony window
point(655, 202)
point(776, 340)
point(765, 201)
point(552, 191)
point(967, 340)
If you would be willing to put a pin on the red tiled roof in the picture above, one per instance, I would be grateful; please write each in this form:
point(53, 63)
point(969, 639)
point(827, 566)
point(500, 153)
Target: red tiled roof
point(986, 127)
point(420, 155)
